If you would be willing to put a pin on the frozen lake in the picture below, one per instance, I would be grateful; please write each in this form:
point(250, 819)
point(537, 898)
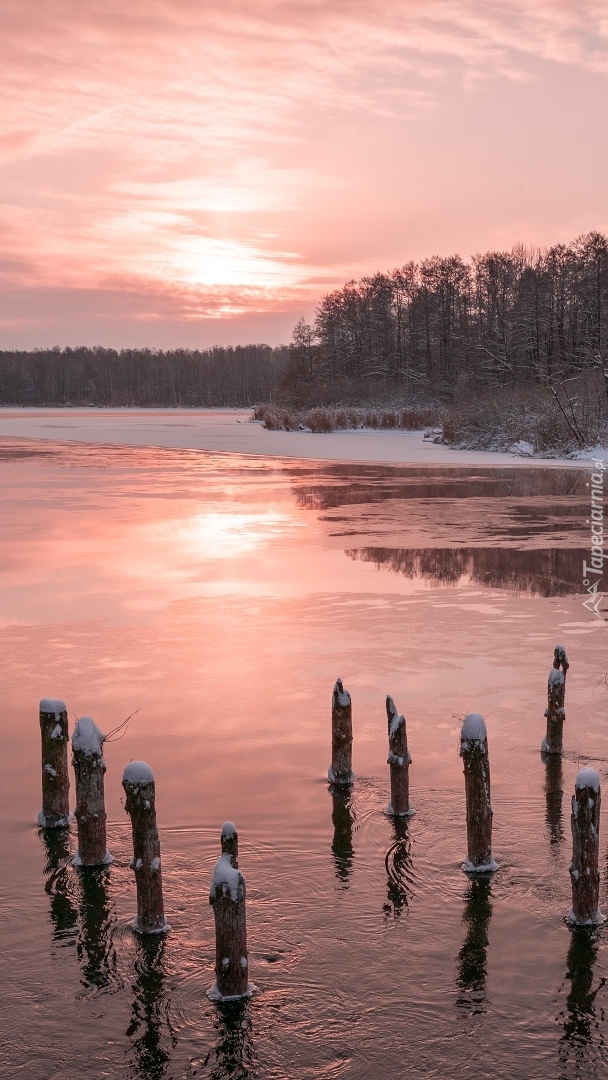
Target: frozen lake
point(220, 595)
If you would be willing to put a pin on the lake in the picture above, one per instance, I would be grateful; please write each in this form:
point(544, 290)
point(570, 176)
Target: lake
point(217, 597)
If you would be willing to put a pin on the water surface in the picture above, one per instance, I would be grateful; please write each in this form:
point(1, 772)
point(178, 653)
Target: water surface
point(218, 597)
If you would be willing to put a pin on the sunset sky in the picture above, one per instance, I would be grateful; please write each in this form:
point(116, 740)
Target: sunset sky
point(192, 172)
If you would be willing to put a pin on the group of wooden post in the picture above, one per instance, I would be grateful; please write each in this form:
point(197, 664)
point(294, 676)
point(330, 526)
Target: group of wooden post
point(585, 818)
point(227, 893)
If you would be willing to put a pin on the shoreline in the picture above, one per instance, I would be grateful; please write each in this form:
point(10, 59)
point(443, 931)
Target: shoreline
point(232, 431)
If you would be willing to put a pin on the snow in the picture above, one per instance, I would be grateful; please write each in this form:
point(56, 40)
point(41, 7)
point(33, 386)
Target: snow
point(227, 431)
point(77, 861)
point(155, 864)
point(61, 824)
point(342, 696)
point(52, 705)
point(229, 830)
point(87, 737)
point(473, 728)
point(50, 770)
point(214, 995)
point(556, 677)
point(137, 772)
point(57, 732)
point(486, 868)
point(226, 877)
point(522, 449)
point(597, 919)
point(331, 776)
point(587, 778)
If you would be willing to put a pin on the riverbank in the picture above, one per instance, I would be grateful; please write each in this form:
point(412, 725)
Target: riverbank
point(231, 431)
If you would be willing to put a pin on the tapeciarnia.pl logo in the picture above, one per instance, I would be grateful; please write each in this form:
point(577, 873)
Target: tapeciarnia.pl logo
point(594, 570)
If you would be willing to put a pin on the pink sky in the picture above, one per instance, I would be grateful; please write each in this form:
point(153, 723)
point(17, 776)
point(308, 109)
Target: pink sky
point(187, 173)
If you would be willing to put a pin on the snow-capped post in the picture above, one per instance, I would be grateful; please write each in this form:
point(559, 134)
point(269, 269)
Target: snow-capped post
point(227, 897)
point(140, 804)
point(474, 753)
point(584, 871)
point(55, 813)
point(89, 769)
point(555, 712)
point(399, 761)
point(341, 769)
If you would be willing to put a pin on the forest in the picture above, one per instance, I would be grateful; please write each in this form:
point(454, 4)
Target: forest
point(520, 335)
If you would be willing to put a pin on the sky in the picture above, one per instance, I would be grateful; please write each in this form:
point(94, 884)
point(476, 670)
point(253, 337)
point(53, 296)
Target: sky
point(198, 172)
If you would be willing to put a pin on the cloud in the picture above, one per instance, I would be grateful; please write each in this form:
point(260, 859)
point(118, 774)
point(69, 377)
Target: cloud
point(188, 146)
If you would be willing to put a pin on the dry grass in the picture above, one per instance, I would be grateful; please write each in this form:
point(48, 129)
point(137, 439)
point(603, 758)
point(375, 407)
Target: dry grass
point(348, 418)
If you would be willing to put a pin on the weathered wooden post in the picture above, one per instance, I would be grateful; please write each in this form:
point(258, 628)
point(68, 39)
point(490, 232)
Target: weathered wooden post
point(584, 871)
point(140, 789)
point(399, 760)
point(555, 712)
point(89, 769)
point(227, 897)
point(341, 769)
point(55, 813)
point(474, 753)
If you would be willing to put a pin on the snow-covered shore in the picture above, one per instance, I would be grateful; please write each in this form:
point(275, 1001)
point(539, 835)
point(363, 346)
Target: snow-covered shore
point(230, 431)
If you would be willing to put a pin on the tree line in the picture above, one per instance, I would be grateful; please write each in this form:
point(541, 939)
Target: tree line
point(423, 330)
point(506, 317)
point(237, 376)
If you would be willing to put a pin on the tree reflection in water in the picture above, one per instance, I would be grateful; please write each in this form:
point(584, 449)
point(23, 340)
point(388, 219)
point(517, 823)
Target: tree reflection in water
point(343, 818)
point(472, 958)
point(581, 1048)
point(399, 872)
point(149, 1029)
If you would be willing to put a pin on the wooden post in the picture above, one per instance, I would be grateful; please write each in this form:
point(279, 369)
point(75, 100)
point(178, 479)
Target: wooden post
point(399, 760)
point(555, 712)
point(227, 897)
point(474, 753)
point(584, 872)
point(341, 769)
point(89, 769)
point(55, 813)
point(140, 789)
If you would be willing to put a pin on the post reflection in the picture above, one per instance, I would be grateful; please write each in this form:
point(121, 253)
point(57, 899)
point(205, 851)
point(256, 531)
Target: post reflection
point(343, 818)
point(94, 946)
point(399, 869)
point(59, 884)
point(581, 1045)
point(234, 1050)
point(554, 793)
point(148, 1029)
point(472, 958)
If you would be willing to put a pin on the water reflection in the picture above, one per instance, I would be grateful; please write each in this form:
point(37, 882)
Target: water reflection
point(343, 484)
point(234, 1054)
point(554, 794)
point(536, 572)
point(59, 884)
point(472, 958)
point(343, 818)
point(150, 1057)
point(94, 946)
point(399, 869)
point(582, 1038)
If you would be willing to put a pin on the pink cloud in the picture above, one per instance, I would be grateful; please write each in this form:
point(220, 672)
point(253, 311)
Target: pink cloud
point(240, 157)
